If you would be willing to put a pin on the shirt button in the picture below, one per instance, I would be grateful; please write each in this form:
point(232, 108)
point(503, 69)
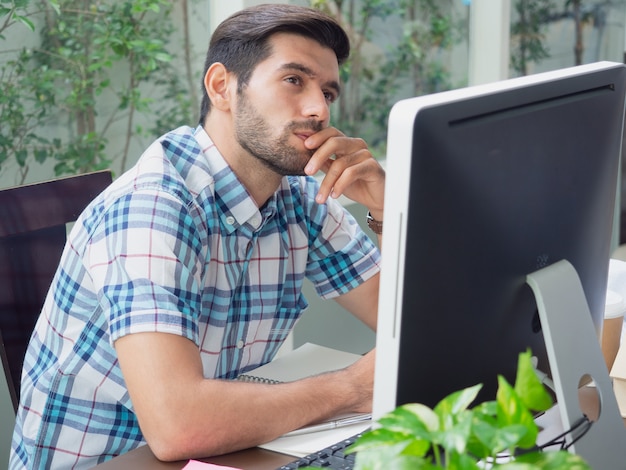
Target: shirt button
point(240, 344)
point(230, 220)
point(255, 221)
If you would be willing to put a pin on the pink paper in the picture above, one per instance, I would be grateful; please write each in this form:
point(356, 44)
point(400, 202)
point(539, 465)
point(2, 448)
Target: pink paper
point(196, 465)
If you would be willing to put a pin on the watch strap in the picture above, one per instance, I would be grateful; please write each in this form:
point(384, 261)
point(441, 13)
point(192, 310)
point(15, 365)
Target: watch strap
point(375, 226)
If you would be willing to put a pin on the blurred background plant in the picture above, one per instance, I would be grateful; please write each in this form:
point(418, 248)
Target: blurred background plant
point(533, 19)
point(96, 65)
point(86, 84)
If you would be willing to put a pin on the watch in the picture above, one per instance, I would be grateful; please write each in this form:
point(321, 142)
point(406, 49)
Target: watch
point(375, 226)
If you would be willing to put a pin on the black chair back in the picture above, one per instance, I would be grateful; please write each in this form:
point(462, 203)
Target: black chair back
point(33, 228)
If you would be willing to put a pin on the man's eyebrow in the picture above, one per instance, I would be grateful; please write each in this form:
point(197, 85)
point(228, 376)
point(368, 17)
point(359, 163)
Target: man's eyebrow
point(307, 71)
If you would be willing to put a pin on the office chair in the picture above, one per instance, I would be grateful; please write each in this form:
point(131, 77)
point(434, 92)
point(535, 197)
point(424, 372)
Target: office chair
point(33, 231)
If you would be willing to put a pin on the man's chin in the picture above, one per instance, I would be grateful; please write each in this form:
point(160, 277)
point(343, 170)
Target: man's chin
point(292, 163)
point(297, 169)
point(292, 172)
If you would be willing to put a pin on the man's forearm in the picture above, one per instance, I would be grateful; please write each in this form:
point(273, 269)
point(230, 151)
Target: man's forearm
point(249, 414)
point(183, 415)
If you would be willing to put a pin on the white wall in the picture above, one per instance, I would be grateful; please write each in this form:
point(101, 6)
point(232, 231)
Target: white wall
point(325, 322)
point(489, 41)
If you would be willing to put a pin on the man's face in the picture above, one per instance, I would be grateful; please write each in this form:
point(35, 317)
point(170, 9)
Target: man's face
point(286, 100)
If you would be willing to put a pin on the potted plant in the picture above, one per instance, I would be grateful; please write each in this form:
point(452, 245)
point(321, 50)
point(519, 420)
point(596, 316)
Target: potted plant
point(499, 434)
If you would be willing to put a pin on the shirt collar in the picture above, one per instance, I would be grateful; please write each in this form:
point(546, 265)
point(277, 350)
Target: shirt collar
point(236, 207)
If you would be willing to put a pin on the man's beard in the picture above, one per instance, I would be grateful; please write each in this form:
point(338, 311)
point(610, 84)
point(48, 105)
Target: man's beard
point(254, 135)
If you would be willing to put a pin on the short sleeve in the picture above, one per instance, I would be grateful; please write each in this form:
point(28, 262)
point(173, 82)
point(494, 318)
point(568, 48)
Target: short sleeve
point(341, 255)
point(145, 263)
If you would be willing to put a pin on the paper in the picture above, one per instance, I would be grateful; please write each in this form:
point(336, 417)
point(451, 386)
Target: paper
point(197, 465)
point(346, 419)
point(309, 359)
point(618, 374)
point(305, 444)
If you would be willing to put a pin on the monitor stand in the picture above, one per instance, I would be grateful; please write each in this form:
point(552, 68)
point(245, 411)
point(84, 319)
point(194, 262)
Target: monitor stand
point(574, 353)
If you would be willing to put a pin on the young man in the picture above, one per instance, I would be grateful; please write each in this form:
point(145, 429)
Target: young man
point(188, 270)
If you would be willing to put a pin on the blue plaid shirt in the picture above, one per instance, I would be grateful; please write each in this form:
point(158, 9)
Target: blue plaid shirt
point(174, 245)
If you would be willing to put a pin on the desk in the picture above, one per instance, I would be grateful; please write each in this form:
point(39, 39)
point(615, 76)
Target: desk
point(260, 459)
point(249, 459)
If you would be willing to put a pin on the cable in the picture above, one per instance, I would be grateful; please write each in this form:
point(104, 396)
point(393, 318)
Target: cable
point(560, 439)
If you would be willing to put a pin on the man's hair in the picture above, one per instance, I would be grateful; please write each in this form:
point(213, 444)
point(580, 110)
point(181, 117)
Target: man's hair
point(241, 41)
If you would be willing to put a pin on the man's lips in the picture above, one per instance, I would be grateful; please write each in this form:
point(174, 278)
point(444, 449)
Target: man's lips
point(304, 135)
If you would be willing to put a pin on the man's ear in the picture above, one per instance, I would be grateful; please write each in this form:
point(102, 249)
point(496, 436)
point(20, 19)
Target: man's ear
point(218, 82)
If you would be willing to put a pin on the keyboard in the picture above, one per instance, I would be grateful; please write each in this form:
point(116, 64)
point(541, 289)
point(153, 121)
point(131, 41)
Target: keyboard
point(332, 457)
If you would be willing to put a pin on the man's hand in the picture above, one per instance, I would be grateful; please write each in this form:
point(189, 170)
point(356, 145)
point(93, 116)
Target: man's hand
point(350, 169)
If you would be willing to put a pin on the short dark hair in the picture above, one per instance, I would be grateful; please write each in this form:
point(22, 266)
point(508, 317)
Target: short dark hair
point(241, 41)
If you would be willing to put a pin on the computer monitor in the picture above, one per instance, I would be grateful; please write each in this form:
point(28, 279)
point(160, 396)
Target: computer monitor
point(486, 185)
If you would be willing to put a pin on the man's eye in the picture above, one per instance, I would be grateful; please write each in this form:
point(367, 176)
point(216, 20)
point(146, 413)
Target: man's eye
point(294, 80)
point(330, 97)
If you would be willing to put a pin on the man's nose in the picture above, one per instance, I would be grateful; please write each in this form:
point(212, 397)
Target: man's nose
point(317, 107)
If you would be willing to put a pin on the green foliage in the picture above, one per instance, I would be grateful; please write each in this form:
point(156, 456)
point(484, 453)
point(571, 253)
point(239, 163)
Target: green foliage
point(16, 11)
point(527, 37)
point(534, 17)
point(101, 63)
point(98, 64)
point(23, 104)
point(454, 436)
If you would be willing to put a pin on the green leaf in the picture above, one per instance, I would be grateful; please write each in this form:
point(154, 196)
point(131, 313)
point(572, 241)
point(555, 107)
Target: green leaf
point(457, 402)
point(55, 6)
point(509, 437)
point(40, 155)
point(413, 419)
point(455, 435)
point(379, 438)
point(163, 57)
point(383, 451)
point(420, 416)
point(484, 434)
point(21, 155)
point(511, 410)
point(417, 448)
point(553, 460)
point(462, 462)
point(391, 458)
point(25, 21)
point(486, 409)
point(528, 386)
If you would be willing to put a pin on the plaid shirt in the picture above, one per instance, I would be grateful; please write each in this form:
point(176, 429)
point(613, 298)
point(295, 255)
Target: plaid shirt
point(175, 245)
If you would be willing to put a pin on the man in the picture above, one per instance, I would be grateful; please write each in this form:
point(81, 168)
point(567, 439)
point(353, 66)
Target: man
point(188, 270)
